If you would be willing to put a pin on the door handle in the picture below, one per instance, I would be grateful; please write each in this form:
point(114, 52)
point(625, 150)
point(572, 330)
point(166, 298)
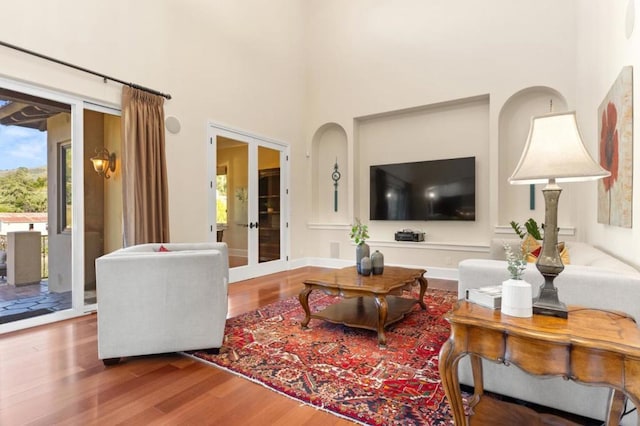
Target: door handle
point(251, 225)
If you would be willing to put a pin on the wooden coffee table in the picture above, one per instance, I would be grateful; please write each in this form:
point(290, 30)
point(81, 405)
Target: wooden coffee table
point(371, 302)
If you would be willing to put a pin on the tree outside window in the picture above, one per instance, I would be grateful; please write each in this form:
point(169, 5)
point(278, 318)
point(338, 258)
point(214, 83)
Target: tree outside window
point(221, 195)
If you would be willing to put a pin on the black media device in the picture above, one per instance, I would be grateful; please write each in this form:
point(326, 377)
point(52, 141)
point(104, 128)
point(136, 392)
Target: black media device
point(408, 235)
point(424, 190)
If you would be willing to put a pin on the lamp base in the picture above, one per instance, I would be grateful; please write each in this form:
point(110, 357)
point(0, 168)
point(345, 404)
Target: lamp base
point(549, 262)
point(547, 302)
point(559, 311)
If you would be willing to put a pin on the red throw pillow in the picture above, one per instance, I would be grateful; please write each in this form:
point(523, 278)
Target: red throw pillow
point(163, 248)
point(533, 255)
point(536, 253)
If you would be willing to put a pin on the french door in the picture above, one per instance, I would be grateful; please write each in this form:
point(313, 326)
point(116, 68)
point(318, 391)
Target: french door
point(247, 200)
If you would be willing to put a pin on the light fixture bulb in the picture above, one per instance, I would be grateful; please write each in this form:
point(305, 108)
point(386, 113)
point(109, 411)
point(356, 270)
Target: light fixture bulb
point(103, 162)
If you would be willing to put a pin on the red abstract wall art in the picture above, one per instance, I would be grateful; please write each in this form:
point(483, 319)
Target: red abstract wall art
point(615, 130)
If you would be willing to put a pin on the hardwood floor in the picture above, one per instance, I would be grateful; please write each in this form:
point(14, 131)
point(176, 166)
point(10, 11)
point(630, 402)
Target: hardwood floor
point(52, 375)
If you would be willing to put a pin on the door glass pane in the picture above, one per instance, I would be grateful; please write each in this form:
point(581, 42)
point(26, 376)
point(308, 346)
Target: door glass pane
point(65, 209)
point(232, 156)
point(35, 241)
point(268, 204)
point(103, 197)
point(221, 202)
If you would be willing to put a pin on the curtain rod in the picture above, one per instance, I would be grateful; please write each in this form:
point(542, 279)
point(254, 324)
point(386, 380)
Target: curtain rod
point(104, 77)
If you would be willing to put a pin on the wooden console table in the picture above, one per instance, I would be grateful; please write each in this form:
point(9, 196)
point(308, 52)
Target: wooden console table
point(592, 346)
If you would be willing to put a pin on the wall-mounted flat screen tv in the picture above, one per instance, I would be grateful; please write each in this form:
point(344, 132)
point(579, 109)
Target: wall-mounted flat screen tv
point(424, 190)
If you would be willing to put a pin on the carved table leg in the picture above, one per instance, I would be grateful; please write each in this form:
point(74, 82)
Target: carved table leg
point(617, 401)
point(383, 307)
point(478, 383)
point(423, 288)
point(448, 366)
point(304, 301)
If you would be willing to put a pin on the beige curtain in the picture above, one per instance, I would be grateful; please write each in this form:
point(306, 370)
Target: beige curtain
point(144, 171)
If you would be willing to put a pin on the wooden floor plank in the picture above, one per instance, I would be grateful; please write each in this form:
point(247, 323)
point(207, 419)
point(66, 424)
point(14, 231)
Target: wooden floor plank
point(52, 375)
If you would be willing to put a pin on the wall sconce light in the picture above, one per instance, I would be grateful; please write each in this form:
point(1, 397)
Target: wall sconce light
point(104, 162)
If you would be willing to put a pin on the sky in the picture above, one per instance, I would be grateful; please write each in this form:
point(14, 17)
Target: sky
point(22, 147)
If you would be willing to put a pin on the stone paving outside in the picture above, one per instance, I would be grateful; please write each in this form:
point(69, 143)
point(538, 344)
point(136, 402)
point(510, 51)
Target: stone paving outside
point(19, 299)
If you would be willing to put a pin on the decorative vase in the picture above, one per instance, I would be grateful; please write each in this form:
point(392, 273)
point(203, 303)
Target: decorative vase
point(517, 298)
point(362, 250)
point(365, 266)
point(377, 263)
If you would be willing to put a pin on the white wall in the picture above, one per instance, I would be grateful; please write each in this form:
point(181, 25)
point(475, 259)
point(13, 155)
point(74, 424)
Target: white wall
point(238, 63)
point(284, 68)
point(602, 50)
point(60, 265)
point(368, 58)
point(428, 134)
point(6, 227)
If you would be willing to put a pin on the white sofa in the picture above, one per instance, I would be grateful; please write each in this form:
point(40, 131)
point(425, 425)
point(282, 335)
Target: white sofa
point(152, 302)
point(593, 278)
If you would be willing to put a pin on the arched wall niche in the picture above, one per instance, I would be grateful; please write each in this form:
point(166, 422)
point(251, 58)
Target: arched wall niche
point(514, 121)
point(328, 147)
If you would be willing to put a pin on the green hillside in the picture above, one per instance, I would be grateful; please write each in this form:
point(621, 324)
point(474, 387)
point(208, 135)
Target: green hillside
point(36, 172)
point(23, 190)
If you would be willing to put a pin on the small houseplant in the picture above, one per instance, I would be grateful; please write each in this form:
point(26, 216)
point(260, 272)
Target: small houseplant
point(516, 263)
point(359, 234)
point(516, 293)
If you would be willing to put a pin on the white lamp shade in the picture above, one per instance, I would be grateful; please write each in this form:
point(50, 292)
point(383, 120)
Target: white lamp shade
point(554, 150)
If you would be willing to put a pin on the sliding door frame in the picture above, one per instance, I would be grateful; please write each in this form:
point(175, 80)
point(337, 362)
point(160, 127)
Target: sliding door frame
point(77, 199)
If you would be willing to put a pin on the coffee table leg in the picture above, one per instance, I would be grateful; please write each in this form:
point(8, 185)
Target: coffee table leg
point(423, 288)
point(304, 301)
point(383, 307)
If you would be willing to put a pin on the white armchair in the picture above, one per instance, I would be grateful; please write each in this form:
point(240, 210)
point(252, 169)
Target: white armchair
point(152, 302)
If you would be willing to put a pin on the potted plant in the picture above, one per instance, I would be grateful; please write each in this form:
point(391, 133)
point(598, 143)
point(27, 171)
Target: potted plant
point(359, 234)
point(516, 264)
point(516, 293)
point(531, 237)
point(531, 226)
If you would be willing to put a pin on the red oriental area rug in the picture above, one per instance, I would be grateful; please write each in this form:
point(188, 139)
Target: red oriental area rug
point(341, 369)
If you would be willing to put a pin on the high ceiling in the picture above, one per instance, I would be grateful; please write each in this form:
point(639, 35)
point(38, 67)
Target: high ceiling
point(18, 109)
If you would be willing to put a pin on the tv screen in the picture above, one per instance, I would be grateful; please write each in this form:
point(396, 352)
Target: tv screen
point(424, 190)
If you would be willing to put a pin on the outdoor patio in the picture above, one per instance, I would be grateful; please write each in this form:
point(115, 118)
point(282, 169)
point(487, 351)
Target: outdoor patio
point(19, 302)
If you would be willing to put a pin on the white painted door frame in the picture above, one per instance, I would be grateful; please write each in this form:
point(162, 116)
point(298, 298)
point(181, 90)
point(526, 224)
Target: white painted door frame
point(254, 268)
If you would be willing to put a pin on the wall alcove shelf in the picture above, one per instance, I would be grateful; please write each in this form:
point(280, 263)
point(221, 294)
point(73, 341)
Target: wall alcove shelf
point(515, 120)
point(269, 213)
point(328, 148)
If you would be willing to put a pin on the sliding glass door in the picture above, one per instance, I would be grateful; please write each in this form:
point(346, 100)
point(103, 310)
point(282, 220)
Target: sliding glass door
point(40, 199)
point(102, 197)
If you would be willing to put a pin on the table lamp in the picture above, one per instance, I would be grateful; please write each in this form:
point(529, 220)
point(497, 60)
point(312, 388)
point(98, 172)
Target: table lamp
point(554, 152)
